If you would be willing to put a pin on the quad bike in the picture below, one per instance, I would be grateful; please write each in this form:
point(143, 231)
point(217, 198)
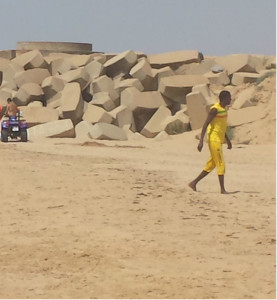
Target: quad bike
point(14, 128)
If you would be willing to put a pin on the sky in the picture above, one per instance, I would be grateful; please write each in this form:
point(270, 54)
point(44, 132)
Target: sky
point(213, 27)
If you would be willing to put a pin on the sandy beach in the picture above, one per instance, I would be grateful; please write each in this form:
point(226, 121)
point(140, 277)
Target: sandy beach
point(102, 106)
point(107, 219)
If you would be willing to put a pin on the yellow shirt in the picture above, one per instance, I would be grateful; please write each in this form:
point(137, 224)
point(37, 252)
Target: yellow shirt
point(217, 128)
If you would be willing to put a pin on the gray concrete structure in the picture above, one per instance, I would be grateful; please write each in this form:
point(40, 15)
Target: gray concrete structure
point(82, 130)
point(72, 103)
point(178, 86)
point(60, 128)
point(39, 115)
point(197, 108)
point(245, 115)
point(51, 86)
point(104, 131)
point(36, 75)
point(173, 59)
point(240, 63)
point(29, 92)
point(243, 77)
point(155, 125)
point(122, 116)
point(30, 60)
point(143, 72)
point(95, 114)
point(121, 63)
point(79, 75)
point(68, 47)
point(103, 100)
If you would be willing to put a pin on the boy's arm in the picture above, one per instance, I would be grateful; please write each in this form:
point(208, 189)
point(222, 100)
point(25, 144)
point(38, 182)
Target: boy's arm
point(209, 119)
point(228, 141)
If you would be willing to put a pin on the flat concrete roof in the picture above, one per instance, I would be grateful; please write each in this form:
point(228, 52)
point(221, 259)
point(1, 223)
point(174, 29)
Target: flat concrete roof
point(55, 46)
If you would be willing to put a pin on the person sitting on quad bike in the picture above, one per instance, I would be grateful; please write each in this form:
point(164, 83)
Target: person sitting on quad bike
point(11, 109)
point(13, 127)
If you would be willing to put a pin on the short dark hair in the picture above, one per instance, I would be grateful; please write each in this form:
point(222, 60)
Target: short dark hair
point(9, 100)
point(224, 95)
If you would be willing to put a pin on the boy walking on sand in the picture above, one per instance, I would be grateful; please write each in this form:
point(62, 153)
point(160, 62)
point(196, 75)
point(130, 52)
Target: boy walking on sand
point(216, 123)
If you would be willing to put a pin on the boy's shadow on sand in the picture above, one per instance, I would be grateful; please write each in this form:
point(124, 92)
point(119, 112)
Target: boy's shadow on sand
point(232, 192)
point(245, 192)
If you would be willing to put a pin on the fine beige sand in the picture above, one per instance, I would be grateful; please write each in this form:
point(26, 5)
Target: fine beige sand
point(113, 219)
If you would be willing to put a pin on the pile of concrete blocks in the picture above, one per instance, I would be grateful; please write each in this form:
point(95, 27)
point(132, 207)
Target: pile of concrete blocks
point(110, 96)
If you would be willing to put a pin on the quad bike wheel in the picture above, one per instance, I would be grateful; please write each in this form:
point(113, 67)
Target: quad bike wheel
point(4, 135)
point(24, 136)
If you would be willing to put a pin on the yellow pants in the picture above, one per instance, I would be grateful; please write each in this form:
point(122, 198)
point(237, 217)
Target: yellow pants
point(216, 159)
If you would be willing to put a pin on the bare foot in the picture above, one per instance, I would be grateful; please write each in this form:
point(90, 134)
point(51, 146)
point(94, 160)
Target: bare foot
point(224, 192)
point(192, 185)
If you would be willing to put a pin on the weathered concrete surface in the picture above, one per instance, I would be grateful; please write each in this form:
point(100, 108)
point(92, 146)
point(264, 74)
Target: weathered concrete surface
point(177, 87)
point(130, 89)
point(8, 54)
point(176, 124)
point(121, 63)
point(55, 101)
point(39, 115)
point(79, 60)
point(173, 59)
point(142, 104)
point(9, 72)
point(160, 73)
point(240, 63)
point(51, 86)
point(55, 46)
point(72, 103)
point(245, 115)
point(244, 98)
point(104, 84)
point(206, 92)
point(35, 103)
point(131, 82)
point(244, 77)
point(156, 124)
point(60, 128)
point(95, 69)
point(95, 114)
point(6, 93)
point(143, 72)
point(220, 78)
point(197, 108)
point(3, 64)
point(29, 92)
point(197, 68)
point(103, 100)
point(122, 116)
point(104, 131)
point(31, 60)
point(79, 75)
point(36, 75)
point(135, 99)
point(60, 66)
point(82, 130)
